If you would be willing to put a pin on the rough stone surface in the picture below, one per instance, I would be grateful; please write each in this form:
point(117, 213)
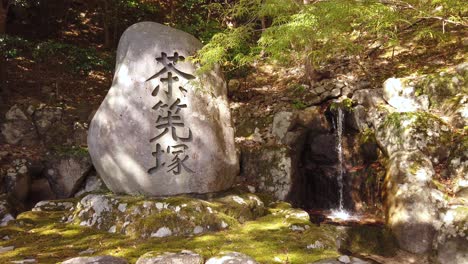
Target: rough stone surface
point(403, 97)
point(184, 257)
point(6, 212)
point(368, 97)
point(96, 260)
point(164, 217)
point(271, 167)
point(232, 258)
point(453, 251)
point(53, 206)
point(410, 211)
point(123, 134)
point(282, 122)
point(93, 183)
point(65, 173)
point(414, 131)
point(17, 180)
point(18, 128)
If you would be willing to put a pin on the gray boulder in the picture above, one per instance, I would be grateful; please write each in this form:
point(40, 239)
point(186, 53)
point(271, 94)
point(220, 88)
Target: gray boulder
point(96, 260)
point(66, 173)
point(282, 122)
point(18, 128)
point(410, 210)
point(403, 96)
point(184, 257)
point(162, 129)
point(453, 251)
point(6, 212)
point(232, 258)
point(17, 180)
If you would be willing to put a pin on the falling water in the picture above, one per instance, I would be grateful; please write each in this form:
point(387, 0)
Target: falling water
point(340, 213)
point(339, 148)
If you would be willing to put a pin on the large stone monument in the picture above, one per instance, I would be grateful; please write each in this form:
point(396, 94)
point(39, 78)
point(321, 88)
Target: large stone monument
point(162, 129)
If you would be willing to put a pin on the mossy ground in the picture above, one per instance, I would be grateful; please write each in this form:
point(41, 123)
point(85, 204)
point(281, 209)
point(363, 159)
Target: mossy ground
point(43, 236)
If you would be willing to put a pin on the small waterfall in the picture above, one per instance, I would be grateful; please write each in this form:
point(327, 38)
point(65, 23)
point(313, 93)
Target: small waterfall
point(339, 149)
point(340, 213)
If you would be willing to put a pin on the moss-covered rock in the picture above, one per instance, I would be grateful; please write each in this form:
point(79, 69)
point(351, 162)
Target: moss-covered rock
point(162, 217)
point(415, 131)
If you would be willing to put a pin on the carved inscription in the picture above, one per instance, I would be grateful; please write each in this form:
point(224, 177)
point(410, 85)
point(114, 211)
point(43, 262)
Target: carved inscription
point(169, 122)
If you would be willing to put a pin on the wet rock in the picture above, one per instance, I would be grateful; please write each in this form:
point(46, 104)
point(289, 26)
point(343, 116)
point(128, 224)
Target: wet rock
point(410, 211)
point(96, 260)
point(357, 119)
point(18, 128)
point(185, 257)
point(323, 149)
point(176, 125)
point(66, 172)
point(231, 258)
point(313, 118)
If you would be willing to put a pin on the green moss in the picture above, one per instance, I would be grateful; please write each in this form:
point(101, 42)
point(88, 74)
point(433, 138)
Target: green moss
point(49, 241)
point(345, 104)
point(367, 136)
point(77, 151)
point(371, 240)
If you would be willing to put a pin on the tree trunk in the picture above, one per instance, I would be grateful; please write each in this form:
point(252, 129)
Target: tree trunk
point(106, 23)
point(4, 5)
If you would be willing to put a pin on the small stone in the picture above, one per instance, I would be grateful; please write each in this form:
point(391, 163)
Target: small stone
point(96, 260)
point(6, 249)
point(162, 232)
point(122, 207)
point(159, 206)
point(344, 259)
point(197, 230)
point(232, 258)
point(112, 229)
point(89, 251)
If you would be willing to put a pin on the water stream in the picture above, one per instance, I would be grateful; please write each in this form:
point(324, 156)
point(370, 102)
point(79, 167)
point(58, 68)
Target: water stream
point(339, 150)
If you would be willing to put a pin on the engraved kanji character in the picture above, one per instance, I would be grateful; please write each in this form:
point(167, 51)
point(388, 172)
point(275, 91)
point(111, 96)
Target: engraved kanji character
point(157, 154)
point(177, 163)
point(171, 121)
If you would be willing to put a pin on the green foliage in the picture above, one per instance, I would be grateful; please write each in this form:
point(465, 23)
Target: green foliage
point(78, 60)
point(11, 47)
point(319, 31)
point(298, 104)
